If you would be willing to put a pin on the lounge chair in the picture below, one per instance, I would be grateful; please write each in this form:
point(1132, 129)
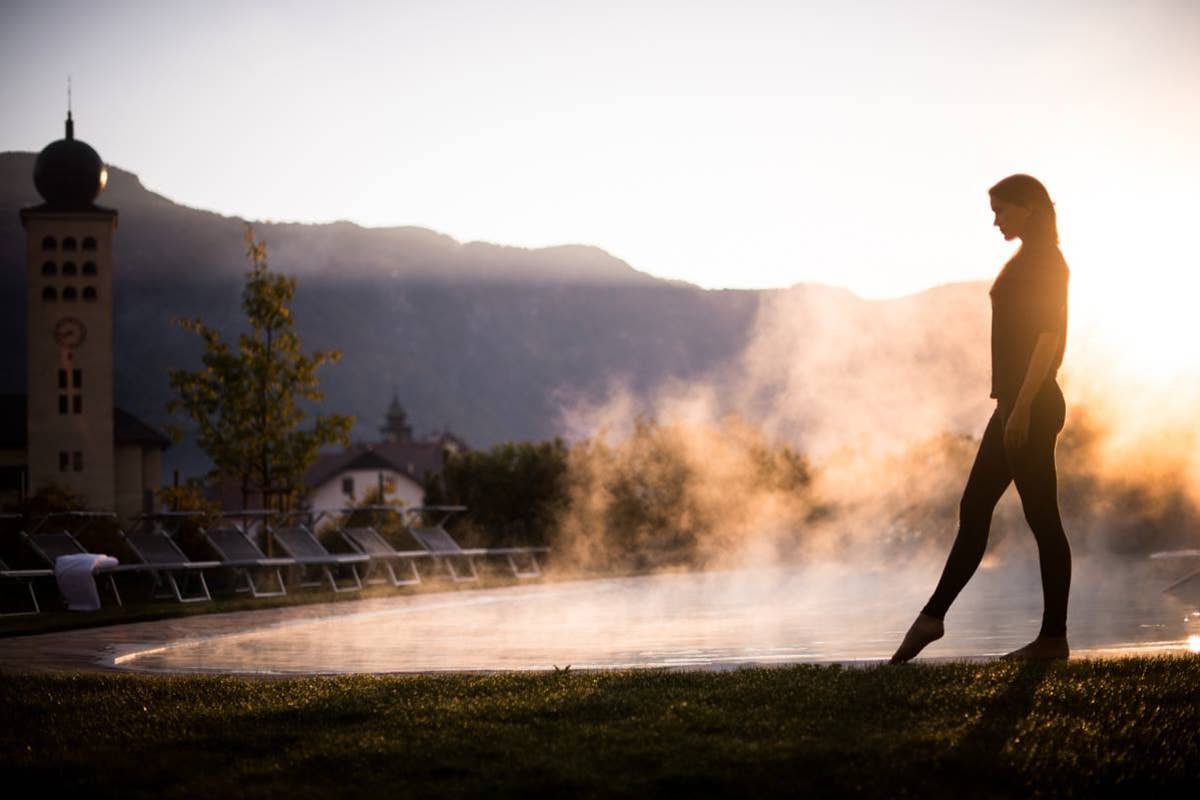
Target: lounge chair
point(515, 555)
point(306, 551)
point(243, 556)
point(51, 546)
point(440, 544)
point(26, 577)
point(370, 543)
point(155, 549)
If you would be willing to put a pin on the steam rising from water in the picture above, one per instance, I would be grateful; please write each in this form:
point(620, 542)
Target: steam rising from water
point(887, 400)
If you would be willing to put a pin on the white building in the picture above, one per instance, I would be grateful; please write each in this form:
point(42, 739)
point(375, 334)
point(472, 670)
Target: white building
point(400, 468)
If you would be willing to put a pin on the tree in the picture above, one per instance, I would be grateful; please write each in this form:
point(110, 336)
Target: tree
point(514, 492)
point(247, 401)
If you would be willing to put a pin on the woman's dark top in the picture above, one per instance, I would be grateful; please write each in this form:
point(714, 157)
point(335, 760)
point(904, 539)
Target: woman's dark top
point(1028, 297)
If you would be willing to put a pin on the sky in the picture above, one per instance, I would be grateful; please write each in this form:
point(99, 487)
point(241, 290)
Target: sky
point(742, 144)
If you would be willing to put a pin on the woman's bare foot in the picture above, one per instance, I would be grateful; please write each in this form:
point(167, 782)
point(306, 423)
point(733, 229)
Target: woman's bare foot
point(925, 630)
point(1043, 647)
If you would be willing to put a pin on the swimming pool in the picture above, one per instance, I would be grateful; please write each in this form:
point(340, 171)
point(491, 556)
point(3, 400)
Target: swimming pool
point(689, 620)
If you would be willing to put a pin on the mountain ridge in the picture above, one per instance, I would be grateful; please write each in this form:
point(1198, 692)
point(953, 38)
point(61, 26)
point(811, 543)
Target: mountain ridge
point(480, 338)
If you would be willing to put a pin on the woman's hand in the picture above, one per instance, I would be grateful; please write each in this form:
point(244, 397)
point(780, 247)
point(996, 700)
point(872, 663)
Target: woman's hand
point(1016, 430)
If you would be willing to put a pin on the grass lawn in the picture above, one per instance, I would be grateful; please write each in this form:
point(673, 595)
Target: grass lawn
point(947, 730)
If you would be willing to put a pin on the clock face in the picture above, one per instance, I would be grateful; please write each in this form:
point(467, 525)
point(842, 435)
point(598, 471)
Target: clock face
point(69, 332)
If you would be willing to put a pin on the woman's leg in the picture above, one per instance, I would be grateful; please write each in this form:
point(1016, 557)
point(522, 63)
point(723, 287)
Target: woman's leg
point(989, 478)
point(1037, 483)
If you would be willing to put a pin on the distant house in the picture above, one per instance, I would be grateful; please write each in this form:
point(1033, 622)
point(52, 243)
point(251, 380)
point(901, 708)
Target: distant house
point(398, 465)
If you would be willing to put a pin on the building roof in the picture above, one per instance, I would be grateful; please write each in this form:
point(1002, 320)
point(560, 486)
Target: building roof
point(127, 429)
point(413, 459)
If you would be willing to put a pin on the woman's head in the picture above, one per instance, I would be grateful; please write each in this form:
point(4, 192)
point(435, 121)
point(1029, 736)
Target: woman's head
point(1024, 210)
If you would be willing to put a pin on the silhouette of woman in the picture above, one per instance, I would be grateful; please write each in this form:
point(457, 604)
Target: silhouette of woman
point(1029, 328)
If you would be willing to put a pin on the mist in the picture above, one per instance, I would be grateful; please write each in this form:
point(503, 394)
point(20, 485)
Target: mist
point(883, 402)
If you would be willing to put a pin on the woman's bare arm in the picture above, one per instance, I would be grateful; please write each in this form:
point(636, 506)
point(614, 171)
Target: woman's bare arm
point(1017, 429)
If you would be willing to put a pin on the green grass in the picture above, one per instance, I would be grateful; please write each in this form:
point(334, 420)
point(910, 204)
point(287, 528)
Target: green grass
point(993, 729)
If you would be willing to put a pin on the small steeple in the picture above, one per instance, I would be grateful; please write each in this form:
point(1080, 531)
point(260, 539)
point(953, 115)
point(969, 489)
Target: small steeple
point(395, 422)
point(70, 122)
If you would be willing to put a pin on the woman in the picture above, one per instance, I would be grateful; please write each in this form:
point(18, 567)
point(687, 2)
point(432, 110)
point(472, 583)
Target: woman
point(1029, 327)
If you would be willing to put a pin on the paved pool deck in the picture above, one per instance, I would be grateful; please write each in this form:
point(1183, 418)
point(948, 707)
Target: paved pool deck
point(96, 649)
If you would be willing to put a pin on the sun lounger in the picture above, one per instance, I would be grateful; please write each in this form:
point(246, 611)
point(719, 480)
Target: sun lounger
point(303, 547)
point(522, 561)
point(50, 546)
point(26, 577)
point(155, 549)
point(243, 556)
point(370, 543)
point(441, 545)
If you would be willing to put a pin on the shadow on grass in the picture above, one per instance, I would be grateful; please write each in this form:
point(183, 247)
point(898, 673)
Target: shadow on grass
point(979, 751)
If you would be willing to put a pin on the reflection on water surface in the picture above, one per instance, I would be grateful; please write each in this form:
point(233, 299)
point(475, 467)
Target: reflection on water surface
point(716, 619)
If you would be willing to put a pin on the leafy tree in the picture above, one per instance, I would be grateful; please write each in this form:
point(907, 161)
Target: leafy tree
point(679, 494)
point(514, 492)
point(247, 401)
point(49, 499)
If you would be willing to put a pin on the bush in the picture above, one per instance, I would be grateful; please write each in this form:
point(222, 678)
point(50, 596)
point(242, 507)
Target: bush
point(514, 493)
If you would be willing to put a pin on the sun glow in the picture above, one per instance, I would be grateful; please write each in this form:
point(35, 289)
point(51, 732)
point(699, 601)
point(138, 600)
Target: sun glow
point(1133, 356)
point(1134, 286)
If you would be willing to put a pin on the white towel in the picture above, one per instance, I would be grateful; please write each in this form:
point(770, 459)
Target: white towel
point(75, 581)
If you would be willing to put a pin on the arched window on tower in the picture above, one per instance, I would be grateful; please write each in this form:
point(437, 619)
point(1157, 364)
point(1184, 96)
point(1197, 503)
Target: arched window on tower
point(89, 243)
point(49, 269)
point(89, 268)
point(49, 243)
point(69, 243)
point(89, 293)
point(69, 293)
point(69, 268)
point(49, 293)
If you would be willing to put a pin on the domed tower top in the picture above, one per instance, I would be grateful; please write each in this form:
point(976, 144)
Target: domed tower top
point(68, 173)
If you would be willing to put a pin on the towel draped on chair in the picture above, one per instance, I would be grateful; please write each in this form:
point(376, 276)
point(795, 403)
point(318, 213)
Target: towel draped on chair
point(74, 574)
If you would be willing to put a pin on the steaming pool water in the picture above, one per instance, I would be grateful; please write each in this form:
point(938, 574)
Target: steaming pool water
point(709, 620)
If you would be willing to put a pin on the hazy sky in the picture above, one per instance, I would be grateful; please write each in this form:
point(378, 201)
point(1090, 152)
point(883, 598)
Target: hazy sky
point(736, 144)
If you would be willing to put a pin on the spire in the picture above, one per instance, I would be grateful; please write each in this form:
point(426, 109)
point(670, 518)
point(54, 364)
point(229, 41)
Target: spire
point(70, 122)
point(396, 427)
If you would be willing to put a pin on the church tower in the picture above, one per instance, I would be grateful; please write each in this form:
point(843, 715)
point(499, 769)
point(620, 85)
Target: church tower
point(69, 324)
